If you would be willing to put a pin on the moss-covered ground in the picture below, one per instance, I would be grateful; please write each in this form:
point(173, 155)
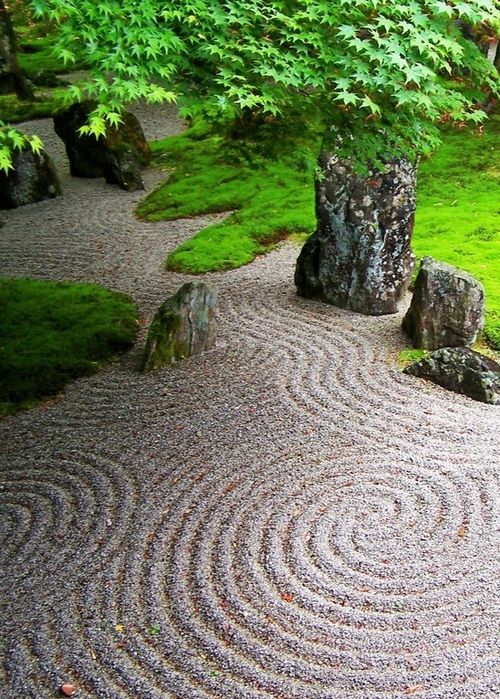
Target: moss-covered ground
point(46, 103)
point(264, 179)
point(41, 65)
point(458, 211)
point(52, 332)
point(38, 60)
point(267, 184)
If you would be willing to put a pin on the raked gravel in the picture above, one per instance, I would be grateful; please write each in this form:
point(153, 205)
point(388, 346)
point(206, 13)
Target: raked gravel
point(287, 516)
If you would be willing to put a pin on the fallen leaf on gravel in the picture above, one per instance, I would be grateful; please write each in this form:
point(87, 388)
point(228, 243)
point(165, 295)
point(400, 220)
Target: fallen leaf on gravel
point(68, 689)
point(287, 597)
point(230, 487)
point(461, 530)
point(120, 628)
point(414, 689)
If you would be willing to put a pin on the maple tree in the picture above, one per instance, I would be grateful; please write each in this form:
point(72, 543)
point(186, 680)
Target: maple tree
point(384, 72)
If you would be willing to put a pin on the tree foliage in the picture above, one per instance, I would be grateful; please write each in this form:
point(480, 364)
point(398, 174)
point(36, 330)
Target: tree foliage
point(385, 72)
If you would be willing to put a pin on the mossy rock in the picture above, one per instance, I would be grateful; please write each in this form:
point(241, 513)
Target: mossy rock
point(183, 326)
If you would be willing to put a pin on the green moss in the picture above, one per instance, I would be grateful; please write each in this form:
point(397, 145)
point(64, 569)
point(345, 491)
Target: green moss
point(458, 212)
point(52, 332)
point(163, 346)
point(409, 356)
point(38, 60)
point(264, 178)
point(47, 103)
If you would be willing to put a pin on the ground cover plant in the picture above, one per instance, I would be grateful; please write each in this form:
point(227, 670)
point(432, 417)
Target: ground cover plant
point(48, 101)
point(265, 178)
point(458, 211)
point(52, 332)
point(39, 60)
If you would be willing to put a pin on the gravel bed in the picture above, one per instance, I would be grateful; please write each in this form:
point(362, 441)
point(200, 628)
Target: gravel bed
point(287, 516)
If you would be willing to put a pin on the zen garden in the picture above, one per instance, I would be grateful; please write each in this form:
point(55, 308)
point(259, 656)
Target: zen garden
point(249, 349)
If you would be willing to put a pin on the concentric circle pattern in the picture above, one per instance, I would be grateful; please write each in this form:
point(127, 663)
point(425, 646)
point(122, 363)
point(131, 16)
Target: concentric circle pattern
point(285, 517)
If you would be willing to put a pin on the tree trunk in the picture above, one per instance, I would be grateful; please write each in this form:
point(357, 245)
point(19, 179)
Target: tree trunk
point(11, 77)
point(360, 256)
point(492, 52)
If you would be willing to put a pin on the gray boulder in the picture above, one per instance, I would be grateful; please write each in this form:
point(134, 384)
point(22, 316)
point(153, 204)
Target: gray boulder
point(462, 370)
point(118, 156)
point(360, 256)
point(447, 308)
point(184, 325)
point(33, 179)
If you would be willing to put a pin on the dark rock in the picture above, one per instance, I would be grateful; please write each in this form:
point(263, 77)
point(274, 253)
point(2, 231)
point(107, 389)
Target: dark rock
point(45, 78)
point(122, 168)
point(184, 325)
point(118, 156)
point(447, 308)
point(462, 370)
point(360, 256)
point(33, 179)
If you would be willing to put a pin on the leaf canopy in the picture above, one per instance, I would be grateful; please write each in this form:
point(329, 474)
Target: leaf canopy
point(384, 72)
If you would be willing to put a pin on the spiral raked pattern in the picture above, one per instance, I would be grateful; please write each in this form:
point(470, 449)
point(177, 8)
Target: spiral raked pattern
point(365, 576)
point(286, 517)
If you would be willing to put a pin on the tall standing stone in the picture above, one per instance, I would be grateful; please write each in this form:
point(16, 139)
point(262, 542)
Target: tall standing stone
point(447, 307)
point(183, 326)
point(360, 255)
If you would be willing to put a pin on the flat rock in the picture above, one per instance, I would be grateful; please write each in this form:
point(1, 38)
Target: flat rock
point(33, 178)
point(461, 370)
point(183, 326)
point(447, 307)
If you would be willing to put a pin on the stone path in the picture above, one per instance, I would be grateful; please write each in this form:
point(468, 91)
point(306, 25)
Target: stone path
point(285, 517)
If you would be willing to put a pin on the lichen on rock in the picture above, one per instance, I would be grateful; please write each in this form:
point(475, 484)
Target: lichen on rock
point(360, 255)
point(183, 326)
point(461, 370)
point(447, 307)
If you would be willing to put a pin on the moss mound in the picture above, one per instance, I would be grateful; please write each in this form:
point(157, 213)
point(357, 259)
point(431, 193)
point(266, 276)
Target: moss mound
point(52, 332)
